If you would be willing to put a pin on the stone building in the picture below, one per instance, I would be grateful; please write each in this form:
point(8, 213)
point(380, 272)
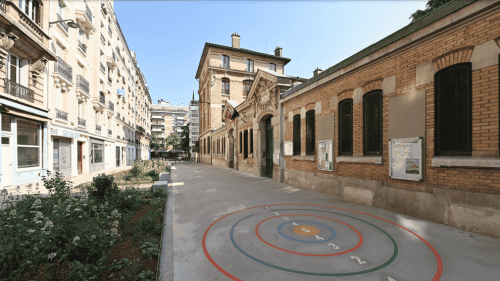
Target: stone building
point(409, 124)
point(168, 119)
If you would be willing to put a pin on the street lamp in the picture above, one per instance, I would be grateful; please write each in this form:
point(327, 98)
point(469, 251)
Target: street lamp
point(70, 23)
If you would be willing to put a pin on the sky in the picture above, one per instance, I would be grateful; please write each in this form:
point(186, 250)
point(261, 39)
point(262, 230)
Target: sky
point(168, 36)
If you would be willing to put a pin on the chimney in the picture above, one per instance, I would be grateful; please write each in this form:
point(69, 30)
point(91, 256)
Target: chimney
point(317, 71)
point(278, 51)
point(236, 40)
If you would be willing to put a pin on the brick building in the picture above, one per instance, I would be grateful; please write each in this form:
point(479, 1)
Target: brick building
point(424, 101)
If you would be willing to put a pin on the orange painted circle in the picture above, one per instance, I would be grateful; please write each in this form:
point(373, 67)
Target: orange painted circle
point(306, 230)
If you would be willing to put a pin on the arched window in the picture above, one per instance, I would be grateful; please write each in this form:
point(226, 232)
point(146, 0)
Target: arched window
point(453, 110)
point(245, 144)
point(310, 132)
point(251, 141)
point(345, 127)
point(372, 127)
point(225, 86)
point(247, 84)
point(296, 134)
point(241, 142)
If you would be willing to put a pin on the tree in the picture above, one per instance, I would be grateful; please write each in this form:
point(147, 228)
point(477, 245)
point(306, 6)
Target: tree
point(431, 6)
point(184, 144)
point(155, 143)
point(173, 141)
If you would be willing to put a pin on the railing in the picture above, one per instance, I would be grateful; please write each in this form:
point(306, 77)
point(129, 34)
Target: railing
point(88, 12)
point(61, 115)
point(82, 84)
point(140, 129)
point(113, 55)
point(110, 32)
point(2, 5)
point(119, 115)
point(110, 132)
point(103, 38)
point(103, 68)
point(111, 106)
point(97, 128)
point(63, 24)
point(64, 69)
point(102, 98)
point(82, 122)
point(82, 47)
point(19, 91)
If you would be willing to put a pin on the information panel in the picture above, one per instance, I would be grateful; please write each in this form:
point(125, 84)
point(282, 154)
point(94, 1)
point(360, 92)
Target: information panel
point(405, 159)
point(325, 155)
point(288, 148)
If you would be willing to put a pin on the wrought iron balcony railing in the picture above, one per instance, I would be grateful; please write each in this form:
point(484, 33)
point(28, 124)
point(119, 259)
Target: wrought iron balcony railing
point(113, 55)
point(110, 32)
point(102, 98)
point(64, 69)
point(110, 132)
point(103, 38)
point(103, 68)
point(97, 128)
point(82, 122)
point(61, 115)
point(2, 5)
point(19, 91)
point(111, 106)
point(63, 24)
point(82, 84)
point(119, 115)
point(82, 47)
point(88, 12)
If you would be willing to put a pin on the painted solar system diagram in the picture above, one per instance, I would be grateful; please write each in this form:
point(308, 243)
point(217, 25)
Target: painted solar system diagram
point(315, 242)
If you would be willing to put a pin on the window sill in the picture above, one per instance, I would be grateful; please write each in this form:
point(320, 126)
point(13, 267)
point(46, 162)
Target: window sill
point(311, 158)
point(377, 160)
point(472, 162)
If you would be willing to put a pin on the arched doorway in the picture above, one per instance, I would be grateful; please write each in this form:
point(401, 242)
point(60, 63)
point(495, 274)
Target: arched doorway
point(269, 148)
point(230, 156)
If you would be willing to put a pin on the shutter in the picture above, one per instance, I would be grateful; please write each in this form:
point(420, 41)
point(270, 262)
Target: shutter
point(24, 72)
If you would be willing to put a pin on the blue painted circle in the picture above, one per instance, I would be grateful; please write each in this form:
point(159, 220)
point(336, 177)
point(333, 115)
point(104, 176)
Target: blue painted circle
point(304, 241)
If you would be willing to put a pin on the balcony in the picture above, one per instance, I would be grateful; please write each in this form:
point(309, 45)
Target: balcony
point(103, 40)
point(61, 115)
point(97, 128)
point(103, 68)
point(110, 32)
point(19, 91)
point(82, 47)
point(99, 102)
point(63, 74)
point(63, 24)
point(110, 132)
point(82, 87)
point(82, 122)
point(119, 115)
point(84, 17)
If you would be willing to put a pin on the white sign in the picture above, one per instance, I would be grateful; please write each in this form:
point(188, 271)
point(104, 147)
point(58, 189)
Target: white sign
point(325, 155)
point(288, 148)
point(405, 159)
point(64, 133)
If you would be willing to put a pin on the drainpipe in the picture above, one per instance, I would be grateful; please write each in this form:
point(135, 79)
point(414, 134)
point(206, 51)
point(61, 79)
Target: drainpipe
point(282, 132)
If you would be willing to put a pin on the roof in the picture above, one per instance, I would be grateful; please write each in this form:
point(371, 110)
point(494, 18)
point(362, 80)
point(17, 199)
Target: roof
point(239, 50)
point(232, 103)
point(403, 32)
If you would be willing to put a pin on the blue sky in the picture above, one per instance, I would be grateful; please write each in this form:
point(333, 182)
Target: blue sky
point(168, 36)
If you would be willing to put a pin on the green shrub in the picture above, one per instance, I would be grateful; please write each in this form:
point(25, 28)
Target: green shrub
point(155, 176)
point(56, 185)
point(127, 177)
point(135, 171)
point(103, 186)
point(150, 248)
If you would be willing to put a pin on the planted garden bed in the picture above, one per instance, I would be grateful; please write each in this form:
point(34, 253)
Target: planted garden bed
point(101, 233)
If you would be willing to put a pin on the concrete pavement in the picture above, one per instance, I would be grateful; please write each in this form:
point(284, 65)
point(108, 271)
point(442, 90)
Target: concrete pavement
point(226, 225)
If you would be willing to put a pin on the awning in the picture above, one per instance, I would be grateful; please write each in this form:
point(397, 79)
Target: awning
point(21, 113)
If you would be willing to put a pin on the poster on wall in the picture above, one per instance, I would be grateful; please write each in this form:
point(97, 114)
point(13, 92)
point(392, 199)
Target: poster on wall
point(288, 148)
point(325, 155)
point(405, 159)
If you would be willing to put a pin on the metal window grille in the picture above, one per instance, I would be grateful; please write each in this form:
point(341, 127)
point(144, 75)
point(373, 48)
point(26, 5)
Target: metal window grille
point(372, 127)
point(296, 134)
point(345, 127)
point(310, 132)
point(245, 145)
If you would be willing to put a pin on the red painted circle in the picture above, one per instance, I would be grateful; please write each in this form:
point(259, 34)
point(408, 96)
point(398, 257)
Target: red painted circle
point(360, 237)
point(439, 262)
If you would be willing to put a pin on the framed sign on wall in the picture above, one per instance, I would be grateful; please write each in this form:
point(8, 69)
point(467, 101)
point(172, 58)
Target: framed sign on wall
point(288, 148)
point(325, 155)
point(406, 159)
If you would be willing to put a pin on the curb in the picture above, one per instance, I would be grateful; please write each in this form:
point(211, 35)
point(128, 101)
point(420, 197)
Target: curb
point(166, 257)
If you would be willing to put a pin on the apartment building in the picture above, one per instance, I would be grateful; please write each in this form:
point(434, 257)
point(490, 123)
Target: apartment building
point(194, 123)
point(24, 91)
point(168, 119)
point(143, 118)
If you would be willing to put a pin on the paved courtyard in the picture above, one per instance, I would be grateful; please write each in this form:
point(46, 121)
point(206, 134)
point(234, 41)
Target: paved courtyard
point(227, 225)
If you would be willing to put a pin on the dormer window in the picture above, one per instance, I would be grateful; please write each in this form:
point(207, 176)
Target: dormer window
point(31, 8)
point(225, 61)
point(272, 67)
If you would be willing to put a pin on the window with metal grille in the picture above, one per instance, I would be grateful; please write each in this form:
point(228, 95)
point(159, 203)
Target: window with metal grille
point(251, 141)
point(241, 143)
point(296, 134)
point(245, 145)
point(310, 132)
point(208, 146)
point(372, 127)
point(225, 86)
point(453, 110)
point(345, 127)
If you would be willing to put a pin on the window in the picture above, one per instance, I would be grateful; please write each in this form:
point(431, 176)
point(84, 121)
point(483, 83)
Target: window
point(247, 84)
point(272, 67)
point(251, 141)
point(345, 127)
point(208, 147)
point(97, 154)
point(60, 10)
point(296, 134)
point(310, 132)
point(225, 86)
point(28, 144)
point(241, 143)
point(31, 9)
point(372, 128)
point(15, 71)
point(453, 111)
point(250, 65)
point(221, 114)
point(204, 147)
point(245, 144)
point(225, 61)
point(6, 123)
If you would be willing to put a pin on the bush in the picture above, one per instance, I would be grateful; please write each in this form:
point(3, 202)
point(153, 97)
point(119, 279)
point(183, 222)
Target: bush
point(155, 176)
point(56, 185)
point(135, 171)
point(150, 248)
point(127, 177)
point(103, 186)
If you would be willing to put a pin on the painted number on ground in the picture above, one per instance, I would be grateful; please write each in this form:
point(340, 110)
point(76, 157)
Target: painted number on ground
point(305, 230)
point(334, 246)
point(390, 279)
point(276, 213)
point(295, 224)
point(359, 260)
point(318, 237)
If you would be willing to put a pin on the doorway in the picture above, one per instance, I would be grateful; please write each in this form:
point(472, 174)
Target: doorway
point(79, 157)
point(62, 156)
point(231, 150)
point(269, 148)
point(117, 156)
point(7, 169)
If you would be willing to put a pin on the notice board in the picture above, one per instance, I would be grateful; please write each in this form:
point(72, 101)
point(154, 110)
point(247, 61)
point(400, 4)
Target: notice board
point(405, 159)
point(325, 155)
point(288, 148)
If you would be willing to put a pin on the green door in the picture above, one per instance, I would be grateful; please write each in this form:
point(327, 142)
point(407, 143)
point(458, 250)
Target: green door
point(269, 148)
